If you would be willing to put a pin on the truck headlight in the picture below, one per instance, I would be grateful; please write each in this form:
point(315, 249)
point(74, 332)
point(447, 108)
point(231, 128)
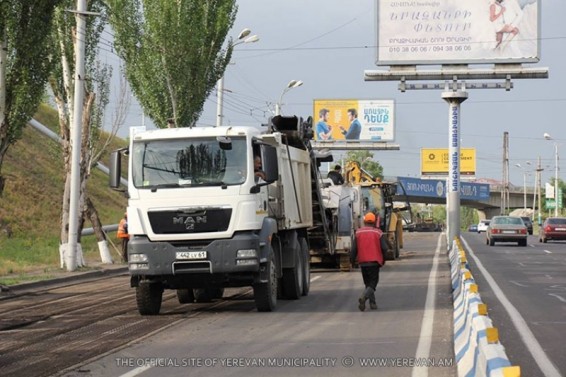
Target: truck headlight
point(138, 266)
point(136, 258)
point(246, 262)
point(246, 253)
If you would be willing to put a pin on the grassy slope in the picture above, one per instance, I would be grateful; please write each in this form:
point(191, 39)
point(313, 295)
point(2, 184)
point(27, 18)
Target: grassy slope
point(31, 203)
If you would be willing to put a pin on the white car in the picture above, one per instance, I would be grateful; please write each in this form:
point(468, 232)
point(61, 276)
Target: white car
point(482, 225)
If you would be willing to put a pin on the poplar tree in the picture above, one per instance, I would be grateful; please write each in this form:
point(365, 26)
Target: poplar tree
point(173, 53)
point(24, 65)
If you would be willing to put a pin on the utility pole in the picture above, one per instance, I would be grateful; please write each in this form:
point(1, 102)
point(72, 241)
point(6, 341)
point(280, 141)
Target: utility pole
point(538, 189)
point(76, 135)
point(505, 188)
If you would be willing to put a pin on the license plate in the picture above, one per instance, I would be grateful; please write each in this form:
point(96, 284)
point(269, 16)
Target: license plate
point(191, 254)
point(509, 232)
point(561, 229)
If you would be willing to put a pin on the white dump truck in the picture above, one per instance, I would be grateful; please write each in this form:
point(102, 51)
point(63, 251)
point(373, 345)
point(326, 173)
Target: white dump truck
point(202, 217)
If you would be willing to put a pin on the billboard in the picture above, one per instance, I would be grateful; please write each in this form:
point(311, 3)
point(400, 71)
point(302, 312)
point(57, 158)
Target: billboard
point(352, 119)
point(437, 189)
point(412, 32)
point(435, 161)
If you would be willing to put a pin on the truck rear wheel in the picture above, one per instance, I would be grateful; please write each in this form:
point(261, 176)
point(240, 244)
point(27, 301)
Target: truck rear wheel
point(185, 296)
point(293, 277)
point(208, 294)
point(265, 294)
point(306, 266)
point(148, 297)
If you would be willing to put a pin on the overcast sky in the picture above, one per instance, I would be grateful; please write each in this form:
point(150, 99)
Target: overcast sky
point(328, 44)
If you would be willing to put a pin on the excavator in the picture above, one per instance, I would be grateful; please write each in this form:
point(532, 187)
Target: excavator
point(377, 197)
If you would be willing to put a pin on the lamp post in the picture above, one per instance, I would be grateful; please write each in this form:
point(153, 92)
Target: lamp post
point(548, 137)
point(364, 161)
point(242, 38)
point(292, 84)
point(524, 185)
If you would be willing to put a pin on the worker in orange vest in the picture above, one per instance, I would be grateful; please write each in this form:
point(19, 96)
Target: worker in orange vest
point(124, 236)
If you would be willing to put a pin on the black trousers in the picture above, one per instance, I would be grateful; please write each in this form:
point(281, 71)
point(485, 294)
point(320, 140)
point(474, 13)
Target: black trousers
point(370, 273)
point(125, 249)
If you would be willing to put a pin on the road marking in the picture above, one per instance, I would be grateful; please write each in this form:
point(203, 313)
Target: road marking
point(425, 338)
point(531, 343)
point(558, 297)
point(519, 284)
point(135, 372)
point(548, 251)
point(315, 278)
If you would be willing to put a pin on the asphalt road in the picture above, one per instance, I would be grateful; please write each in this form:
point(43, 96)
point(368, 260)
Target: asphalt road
point(525, 290)
point(323, 334)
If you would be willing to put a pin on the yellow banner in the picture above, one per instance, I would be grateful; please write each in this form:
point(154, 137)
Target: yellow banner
point(434, 161)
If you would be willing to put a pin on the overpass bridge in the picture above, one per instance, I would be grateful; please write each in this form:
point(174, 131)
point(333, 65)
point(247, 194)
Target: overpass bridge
point(484, 197)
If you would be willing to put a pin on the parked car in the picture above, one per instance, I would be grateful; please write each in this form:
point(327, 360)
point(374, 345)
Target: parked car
point(528, 223)
point(473, 228)
point(553, 228)
point(506, 229)
point(482, 225)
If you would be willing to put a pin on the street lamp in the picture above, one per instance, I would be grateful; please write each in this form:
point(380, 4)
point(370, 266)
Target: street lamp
point(548, 137)
point(292, 84)
point(524, 186)
point(242, 38)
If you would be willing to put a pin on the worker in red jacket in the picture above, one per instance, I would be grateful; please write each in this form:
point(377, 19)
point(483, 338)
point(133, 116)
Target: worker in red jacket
point(368, 250)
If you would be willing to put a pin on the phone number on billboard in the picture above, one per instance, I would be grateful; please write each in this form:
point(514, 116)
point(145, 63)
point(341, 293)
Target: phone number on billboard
point(413, 49)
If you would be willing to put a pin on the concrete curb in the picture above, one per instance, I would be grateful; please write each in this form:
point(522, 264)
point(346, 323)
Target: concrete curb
point(70, 278)
point(476, 342)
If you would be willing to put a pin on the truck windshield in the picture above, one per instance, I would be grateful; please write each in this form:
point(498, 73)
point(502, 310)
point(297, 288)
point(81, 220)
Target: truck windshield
point(188, 163)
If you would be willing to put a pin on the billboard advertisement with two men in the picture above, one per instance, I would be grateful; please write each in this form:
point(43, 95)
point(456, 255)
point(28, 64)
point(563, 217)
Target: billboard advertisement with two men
point(351, 120)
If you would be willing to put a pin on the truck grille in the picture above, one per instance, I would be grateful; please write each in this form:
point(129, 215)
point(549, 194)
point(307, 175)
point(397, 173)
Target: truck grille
point(175, 222)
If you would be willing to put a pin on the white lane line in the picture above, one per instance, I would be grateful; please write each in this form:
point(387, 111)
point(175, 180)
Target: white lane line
point(531, 343)
point(517, 283)
point(135, 372)
point(558, 297)
point(425, 338)
point(547, 251)
point(315, 278)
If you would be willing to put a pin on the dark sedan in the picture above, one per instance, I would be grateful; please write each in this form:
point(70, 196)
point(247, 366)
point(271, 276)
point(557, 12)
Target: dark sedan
point(553, 228)
point(529, 223)
point(506, 229)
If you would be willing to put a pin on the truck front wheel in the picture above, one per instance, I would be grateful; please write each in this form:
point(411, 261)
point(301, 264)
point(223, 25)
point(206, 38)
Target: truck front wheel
point(185, 296)
point(265, 294)
point(148, 297)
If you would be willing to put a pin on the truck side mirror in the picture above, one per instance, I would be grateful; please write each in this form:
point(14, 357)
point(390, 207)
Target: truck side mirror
point(115, 169)
point(269, 163)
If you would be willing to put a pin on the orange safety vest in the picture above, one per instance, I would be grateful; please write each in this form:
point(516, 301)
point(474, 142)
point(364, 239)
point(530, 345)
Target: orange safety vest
point(122, 233)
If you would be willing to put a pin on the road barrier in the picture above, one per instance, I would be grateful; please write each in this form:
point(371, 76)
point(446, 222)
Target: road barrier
point(476, 342)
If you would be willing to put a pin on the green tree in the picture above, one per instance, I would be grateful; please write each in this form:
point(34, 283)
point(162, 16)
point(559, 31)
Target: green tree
point(365, 159)
point(173, 53)
point(24, 65)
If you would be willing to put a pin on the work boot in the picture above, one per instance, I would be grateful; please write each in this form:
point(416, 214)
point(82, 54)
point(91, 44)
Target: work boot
point(362, 303)
point(372, 303)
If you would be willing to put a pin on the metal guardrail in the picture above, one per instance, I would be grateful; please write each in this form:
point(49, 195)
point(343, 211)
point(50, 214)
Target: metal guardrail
point(476, 342)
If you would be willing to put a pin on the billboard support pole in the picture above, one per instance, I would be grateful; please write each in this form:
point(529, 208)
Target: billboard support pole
point(454, 98)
